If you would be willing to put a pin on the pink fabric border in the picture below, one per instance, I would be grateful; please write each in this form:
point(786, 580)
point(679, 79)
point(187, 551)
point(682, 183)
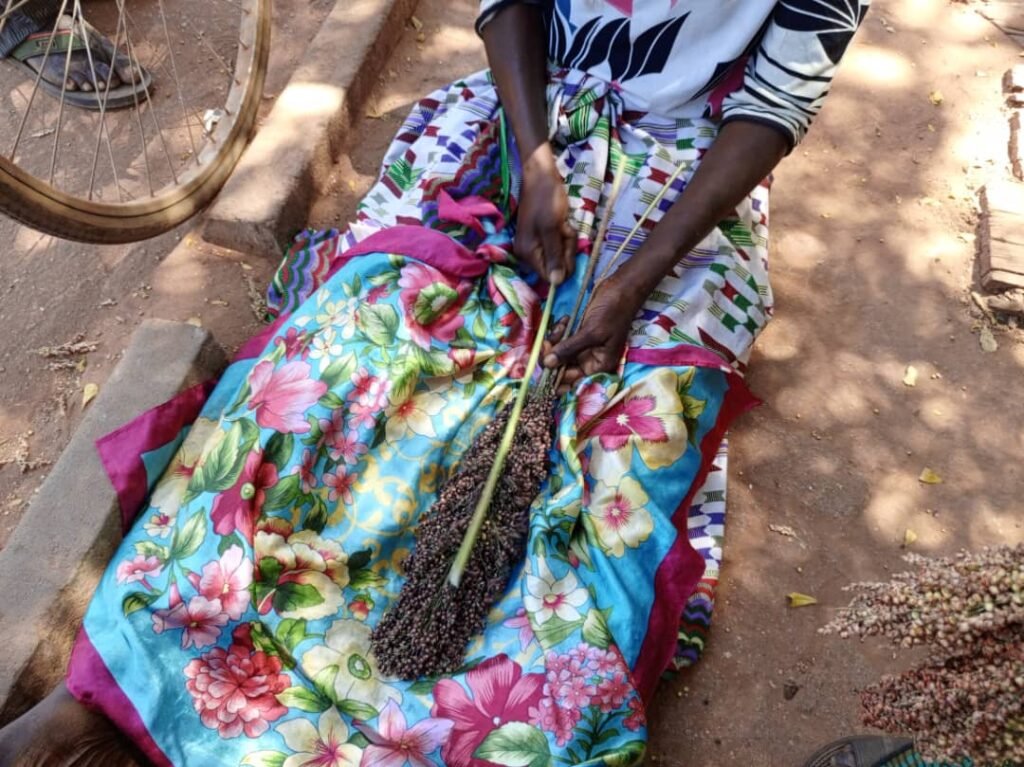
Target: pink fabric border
point(680, 572)
point(89, 681)
point(121, 451)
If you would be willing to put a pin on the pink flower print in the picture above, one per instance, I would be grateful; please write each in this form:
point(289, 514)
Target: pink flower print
point(609, 662)
point(138, 569)
point(521, 621)
point(295, 343)
point(201, 620)
point(347, 447)
point(561, 721)
point(377, 293)
point(237, 507)
point(498, 693)
point(360, 607)
point(431, 303)
point(234, 691)
point(281, 396)
point(307, 477)
point(577, 692)
point(613, 691)
point(340, 483)
point(361, 381)
point(637, 718)
point(332, 428)
point(228, 580)
point(396, 744)
point(462, 358)
point(591, 400)
point(321, 746)
point(627, 419)
point(370, 403)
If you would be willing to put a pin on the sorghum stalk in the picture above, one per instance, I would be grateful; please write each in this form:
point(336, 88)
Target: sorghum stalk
point(458, 568)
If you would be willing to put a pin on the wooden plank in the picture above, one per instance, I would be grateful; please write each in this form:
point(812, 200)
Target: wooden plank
point(1002, 236)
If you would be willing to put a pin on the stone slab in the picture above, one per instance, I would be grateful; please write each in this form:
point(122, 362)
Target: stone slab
point(1002, 236)
point(60, 548)
point(267, 198)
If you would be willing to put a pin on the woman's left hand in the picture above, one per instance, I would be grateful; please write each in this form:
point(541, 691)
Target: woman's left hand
point(596, 347)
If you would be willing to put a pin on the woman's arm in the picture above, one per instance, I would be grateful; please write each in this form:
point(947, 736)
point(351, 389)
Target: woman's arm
point(515, 41)
point(743, 154)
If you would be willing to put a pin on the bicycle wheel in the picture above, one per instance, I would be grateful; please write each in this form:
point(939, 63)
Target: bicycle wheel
point(140, 158)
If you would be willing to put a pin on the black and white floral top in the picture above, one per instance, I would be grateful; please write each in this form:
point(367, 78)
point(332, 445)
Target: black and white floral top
point(770, 61)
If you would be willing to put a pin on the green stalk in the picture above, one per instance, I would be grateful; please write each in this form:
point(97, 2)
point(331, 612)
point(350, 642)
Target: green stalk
point(458, 569)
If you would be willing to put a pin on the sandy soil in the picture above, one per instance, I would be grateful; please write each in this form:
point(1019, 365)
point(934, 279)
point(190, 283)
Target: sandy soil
point(874, 221)
point(52, 291)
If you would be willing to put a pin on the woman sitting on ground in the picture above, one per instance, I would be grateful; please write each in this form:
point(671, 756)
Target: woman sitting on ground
point(234, 625)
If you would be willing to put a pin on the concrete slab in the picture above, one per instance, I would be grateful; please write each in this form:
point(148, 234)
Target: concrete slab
point(60, 548)
point(268, 196)
point(1002, 236)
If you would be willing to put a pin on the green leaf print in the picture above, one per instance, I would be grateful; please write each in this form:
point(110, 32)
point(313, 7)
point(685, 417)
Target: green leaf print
point(515, 744)
point(283, 494)
point(265, 759)
point(303, 699)
point(228, 541)
point(137, 600)
point(150, 549)
point(628, 755)
point(295, 596)
point(279, 449)
point(220, 468)
point(189, 537)
point(357, 709)
point(359, 559)
point(379, 323)
point(290, 632)
point(339, 370)
point(595, 629)
point(316, 519)
point(555, 630)
point(403, 174)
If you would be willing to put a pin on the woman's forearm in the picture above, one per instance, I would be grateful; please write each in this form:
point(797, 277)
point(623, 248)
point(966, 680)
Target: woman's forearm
point(516, 45)
point(744, 154)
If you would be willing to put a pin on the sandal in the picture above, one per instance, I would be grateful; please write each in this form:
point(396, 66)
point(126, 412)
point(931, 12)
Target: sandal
point(69, 35)
point(867, 751)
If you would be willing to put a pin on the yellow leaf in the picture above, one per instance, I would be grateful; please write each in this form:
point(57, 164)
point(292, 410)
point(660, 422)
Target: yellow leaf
point(910, 377)
point(89, 391)
point(935, 97)
point(800, 600)
point(195, 321)
point(909, 537)
point(929, 477)
point(416, 23)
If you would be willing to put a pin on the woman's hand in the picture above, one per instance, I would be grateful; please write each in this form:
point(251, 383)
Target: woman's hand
point(597, 346)
point(544, 238)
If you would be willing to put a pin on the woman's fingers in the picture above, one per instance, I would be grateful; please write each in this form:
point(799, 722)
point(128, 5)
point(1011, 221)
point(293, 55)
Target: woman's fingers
point(569, 248)
point(554, 268)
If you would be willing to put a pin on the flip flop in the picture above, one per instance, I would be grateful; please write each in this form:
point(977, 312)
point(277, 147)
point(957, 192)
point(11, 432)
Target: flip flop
point(867, 751)
point(64, 37)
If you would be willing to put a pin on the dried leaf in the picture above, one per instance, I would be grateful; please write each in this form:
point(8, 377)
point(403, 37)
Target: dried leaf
point(910, 377)
point(987, 340)
point(797, 599)
point(785, 530)
point(89, 392)
point(935, 97)
point(195, 321)
point(416, 23)
point(218, 302)
point(909, 537)
point(929, 477)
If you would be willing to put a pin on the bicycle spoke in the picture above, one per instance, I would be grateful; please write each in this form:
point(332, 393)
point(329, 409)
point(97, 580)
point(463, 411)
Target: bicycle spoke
point(135, 97)
point(63, 91)
point(177, 82)
point(104, 130)
point(35, 86)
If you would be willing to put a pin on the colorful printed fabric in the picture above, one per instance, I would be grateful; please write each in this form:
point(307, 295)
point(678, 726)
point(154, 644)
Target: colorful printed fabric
point(233, 625)
point(771, 61)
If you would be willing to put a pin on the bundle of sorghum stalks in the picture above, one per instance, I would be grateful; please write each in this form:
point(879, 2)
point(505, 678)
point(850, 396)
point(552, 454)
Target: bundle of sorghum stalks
point(967, 700)
point(471, 538)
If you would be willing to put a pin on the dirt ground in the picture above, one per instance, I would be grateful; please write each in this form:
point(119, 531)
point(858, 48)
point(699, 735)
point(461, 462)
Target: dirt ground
point(874, 224)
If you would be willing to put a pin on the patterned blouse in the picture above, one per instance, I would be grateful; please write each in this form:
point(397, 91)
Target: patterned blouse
point(768, 61)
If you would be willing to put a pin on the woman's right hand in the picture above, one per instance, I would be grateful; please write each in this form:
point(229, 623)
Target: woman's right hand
point(544, 238)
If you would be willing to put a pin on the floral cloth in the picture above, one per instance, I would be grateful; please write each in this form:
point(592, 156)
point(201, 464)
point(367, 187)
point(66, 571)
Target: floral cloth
point(233, 625)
